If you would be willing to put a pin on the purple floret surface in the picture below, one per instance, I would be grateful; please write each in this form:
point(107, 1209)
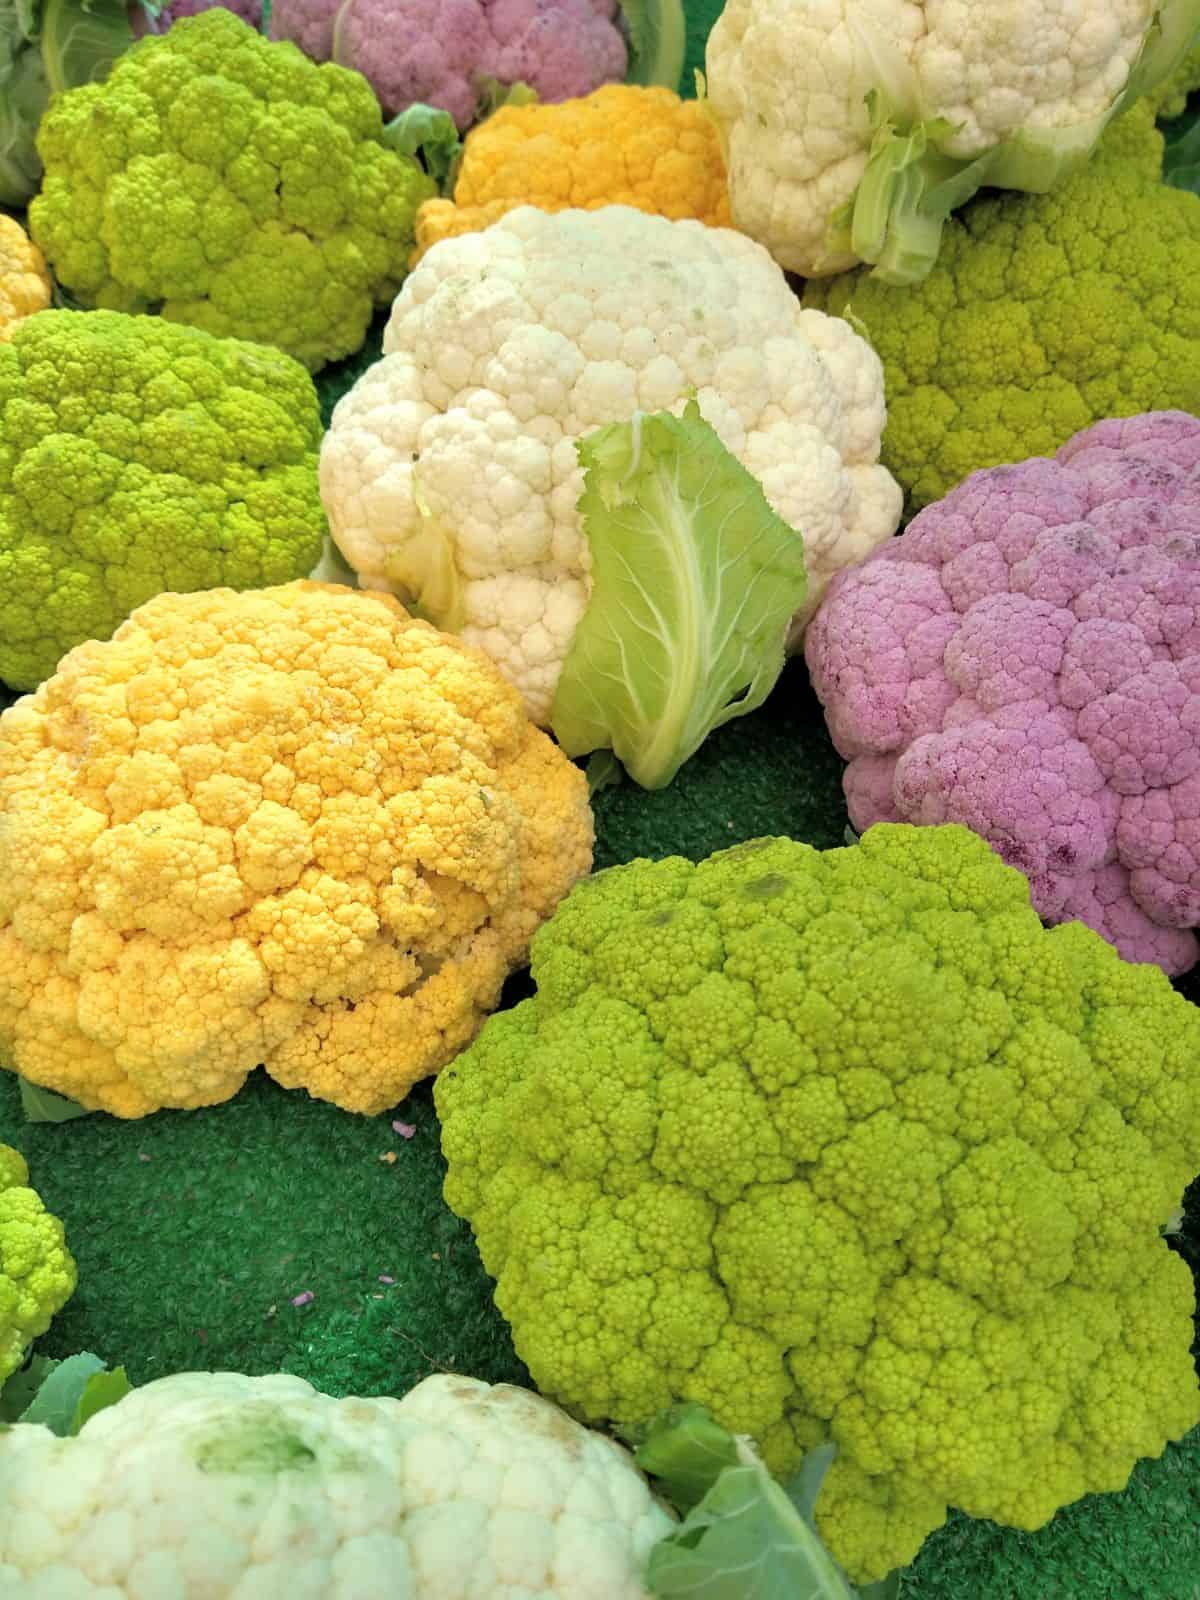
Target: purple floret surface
point(1025, 660)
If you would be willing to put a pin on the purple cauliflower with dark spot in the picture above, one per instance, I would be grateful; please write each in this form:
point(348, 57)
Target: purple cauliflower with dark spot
point(1025, 660)
point(142, 21)
point(441, 52)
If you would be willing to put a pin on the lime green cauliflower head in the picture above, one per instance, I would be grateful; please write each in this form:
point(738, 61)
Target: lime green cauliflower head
point(136, 457)
point(37, 1273)
point(1044, 314)
point(845, 1146)
point(230, 183)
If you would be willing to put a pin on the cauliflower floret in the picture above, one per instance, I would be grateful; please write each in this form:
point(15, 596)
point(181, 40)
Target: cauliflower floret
point(37, 1271)
point(450, 474)
point(291, 827)
point(845, 1146)
point(211, 1483)
point(838, 108)
point(443, 52)
point(1025, 660)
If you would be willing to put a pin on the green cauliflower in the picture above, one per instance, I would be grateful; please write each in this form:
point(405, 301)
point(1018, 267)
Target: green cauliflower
point(37, 1273)
point(138, 456)
point(845, 1146)
point(229, 182)
point(1044, 314)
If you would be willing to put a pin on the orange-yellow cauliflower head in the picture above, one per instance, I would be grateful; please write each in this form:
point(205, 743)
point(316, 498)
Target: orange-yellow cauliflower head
point(293, 827)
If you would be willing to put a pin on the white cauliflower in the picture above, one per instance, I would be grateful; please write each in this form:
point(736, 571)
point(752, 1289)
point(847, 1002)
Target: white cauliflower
point(1012, 94)
point(207, 1485)
point(450, 474)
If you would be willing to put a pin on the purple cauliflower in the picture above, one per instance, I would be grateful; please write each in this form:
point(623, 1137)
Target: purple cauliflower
point(441, 52)
point(1025, 660)
point(143, 21)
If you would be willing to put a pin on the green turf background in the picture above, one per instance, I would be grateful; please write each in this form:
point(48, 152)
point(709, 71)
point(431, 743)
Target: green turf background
point(195, 1230)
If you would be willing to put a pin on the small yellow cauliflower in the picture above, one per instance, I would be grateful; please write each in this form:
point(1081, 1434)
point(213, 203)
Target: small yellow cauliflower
point(623, 144)
point(293, 827)
point(24, 278)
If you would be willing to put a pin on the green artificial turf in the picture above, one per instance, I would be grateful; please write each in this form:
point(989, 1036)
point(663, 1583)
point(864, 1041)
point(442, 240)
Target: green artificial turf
point(195, 1231)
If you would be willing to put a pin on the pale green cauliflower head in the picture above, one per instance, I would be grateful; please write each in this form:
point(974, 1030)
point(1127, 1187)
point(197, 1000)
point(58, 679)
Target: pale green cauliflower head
point(37, 1272)
point(138, 457)
point(871, 104)
point(215, 1484)
point(845, 1146)
point(450, 473)
point(228, 182)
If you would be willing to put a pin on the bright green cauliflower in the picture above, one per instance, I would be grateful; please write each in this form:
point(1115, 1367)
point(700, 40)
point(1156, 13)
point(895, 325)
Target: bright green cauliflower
point(37, 1272)
point(138, 456)
point(1044, 314)
point(845, 1145)
point(228, 182)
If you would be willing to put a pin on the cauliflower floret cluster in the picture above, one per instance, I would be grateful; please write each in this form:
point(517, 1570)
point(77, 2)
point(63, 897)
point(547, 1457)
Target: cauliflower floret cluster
point(137, 456)
point(450, 473)
point(24, 280)
point(817, 97)
point(292, 827)
point(624, 145)
point(1025, 660)
point(37, 1271)
point(224, 181)
point(1044, 313)
point(845, 1146)
point(443, 52)
point(264, 1486)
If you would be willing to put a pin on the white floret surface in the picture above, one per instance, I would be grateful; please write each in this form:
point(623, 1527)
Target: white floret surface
point(506, 346)
point(787, 79)
point(218, 1486)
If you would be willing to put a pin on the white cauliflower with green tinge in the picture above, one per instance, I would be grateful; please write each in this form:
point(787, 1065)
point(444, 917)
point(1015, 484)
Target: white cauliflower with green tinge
point(450, 474)
point(1024, 86)
point(212, 1484)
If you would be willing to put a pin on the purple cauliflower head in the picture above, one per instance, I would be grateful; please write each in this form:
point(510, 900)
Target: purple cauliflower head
point(142, 21)
point(440, 52)
point(1025, 660)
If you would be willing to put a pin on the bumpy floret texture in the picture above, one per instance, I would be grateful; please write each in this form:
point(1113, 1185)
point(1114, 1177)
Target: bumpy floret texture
point(37, 1272)
point(292, 827)
point(24, 280)
point(227, 182)
point(845, 1145)
point(1043, 314)
point(450, 472)
point(624, 145)
point(264, 1487)
point(1025, 660)
point(788, 81)
point(442, 52)
point(137, 456)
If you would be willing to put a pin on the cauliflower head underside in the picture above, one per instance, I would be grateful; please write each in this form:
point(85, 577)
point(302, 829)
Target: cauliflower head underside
point(450, 473)
point(1025, 660)
point(1044, 314)
point(136, 457)
point(788, 82)
point(844, 1145)
point(458, 1490)
point(292, 827)
point(37, 1271)
point(624, 144)
point(227, 182)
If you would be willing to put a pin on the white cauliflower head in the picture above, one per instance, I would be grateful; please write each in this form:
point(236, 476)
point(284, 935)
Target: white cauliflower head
point(214, 1484)
point(1033, 81)
point(450, 475)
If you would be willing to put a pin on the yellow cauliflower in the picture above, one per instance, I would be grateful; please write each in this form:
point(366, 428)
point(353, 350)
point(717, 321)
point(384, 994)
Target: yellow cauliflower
point(621, 145)
point(24, 279)
point(293, 827)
